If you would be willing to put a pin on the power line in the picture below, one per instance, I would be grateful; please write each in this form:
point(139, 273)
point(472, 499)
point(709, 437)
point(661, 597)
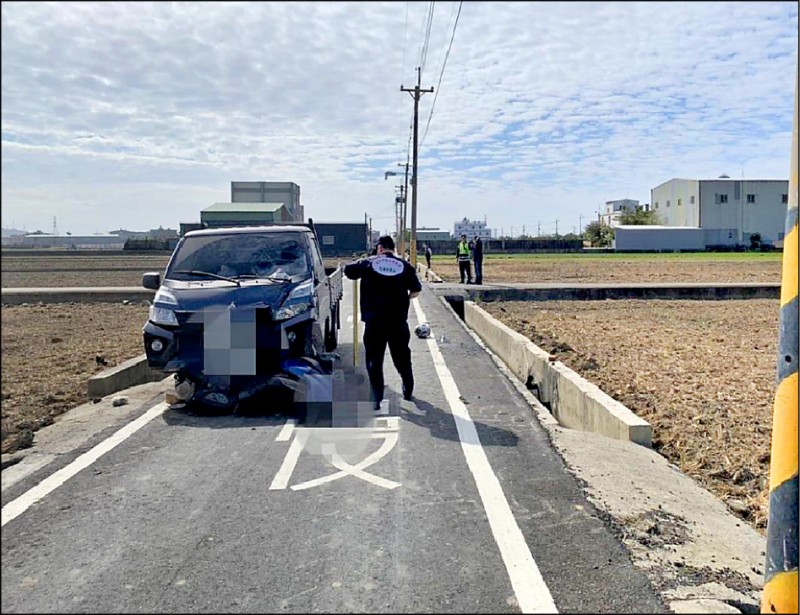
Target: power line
point(444, 64)
point(449, 21)
point(405, 36)
point(424, 55)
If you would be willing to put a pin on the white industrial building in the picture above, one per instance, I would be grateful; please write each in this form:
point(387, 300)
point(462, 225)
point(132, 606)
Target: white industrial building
point(614, 210)
point(728, 210)
point(470, 228)
point(425, 233)
point(287, 193)
point(649, 237)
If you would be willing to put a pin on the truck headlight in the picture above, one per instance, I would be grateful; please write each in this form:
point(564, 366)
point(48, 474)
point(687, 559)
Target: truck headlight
point(285, 312)
point(300, 300)
point(162, 316)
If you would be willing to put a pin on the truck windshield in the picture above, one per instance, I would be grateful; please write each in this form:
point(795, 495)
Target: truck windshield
point(241, 255)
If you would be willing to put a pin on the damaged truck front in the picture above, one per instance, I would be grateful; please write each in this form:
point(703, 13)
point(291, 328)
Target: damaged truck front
point(236, 307)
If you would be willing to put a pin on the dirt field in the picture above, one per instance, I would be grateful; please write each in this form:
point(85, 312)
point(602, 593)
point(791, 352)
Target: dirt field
point(622, 268)
point(49, 352)
point(701, 372)
point(48, 271)
point(100, 270)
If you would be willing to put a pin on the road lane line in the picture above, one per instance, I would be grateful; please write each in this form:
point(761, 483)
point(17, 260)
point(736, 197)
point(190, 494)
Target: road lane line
point(531, 592)
point(286, 431)
point(16, 507)
point(283, 476)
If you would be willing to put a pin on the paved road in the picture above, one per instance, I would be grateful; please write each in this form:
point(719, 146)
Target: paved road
point(457, 503)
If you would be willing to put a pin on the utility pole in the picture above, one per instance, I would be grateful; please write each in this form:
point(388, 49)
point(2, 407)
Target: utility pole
point(580, 226)
point(416, 93)
point(523, 230)
point(403, 212)
point(398, 218)
point(538, 229)
point(781, 565)
point(556, 227)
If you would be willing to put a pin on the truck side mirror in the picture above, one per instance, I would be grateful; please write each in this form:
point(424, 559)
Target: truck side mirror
point(151, 280)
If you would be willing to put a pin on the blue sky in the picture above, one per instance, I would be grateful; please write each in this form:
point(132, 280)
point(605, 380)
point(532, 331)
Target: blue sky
point(134, 115)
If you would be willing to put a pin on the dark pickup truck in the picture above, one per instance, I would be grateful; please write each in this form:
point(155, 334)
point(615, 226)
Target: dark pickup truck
point(235, 304)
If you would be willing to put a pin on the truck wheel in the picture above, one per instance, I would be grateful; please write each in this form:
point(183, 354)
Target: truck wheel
point(331, 337)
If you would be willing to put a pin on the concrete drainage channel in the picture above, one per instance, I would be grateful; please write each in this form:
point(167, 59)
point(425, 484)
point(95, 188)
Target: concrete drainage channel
point(575, 402)
point(698, 556)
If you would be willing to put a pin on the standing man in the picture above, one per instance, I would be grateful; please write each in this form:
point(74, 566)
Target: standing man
point(428, 255)
point(462, 256)
point(477, 256)
point(388, 283)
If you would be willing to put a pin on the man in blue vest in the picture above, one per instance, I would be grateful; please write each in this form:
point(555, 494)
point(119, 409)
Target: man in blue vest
point(388, 283)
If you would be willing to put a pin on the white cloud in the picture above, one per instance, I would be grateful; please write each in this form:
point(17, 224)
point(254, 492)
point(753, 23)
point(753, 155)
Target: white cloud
point(140, 114)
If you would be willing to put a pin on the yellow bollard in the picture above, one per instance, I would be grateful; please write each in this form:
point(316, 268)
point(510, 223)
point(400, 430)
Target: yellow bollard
point(355, 323)
point(780, 571)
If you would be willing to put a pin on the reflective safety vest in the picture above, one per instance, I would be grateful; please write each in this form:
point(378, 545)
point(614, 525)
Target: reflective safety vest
point(463, 251)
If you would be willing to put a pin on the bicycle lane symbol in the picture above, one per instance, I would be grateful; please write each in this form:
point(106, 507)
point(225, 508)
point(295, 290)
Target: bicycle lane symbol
point(337, 446)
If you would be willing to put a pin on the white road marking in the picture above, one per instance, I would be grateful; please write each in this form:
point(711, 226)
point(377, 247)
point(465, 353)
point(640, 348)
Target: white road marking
point(16, 507)
point(286, 431)
point(530, 590)
point(389, 442)
point(281, 479)
point(386, 428)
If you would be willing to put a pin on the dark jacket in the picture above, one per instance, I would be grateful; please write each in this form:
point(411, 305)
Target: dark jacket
point(477, 250)
point(386, 282)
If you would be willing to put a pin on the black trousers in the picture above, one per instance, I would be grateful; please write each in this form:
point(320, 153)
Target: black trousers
point(465, 271)
point(377, 334)
point(479, 270)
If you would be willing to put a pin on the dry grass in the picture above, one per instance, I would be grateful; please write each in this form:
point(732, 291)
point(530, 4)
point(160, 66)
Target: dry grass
point(701, 372)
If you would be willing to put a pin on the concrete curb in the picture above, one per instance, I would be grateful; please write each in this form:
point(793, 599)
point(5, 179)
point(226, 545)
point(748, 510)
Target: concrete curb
point(602, 292)
point(574, 401)
point(127, 374)
point(428, 274)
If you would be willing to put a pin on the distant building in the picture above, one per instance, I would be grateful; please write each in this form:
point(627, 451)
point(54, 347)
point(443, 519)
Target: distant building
point(470, 228)
point(648, 238)
point(287, 193)
point(162, 233)
point(244, 214)
point(343, 238)
point(185, 227)
point(75, 242)
point(124, 235)
point(432, 234)
point(614, 209)
point(728, 210)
